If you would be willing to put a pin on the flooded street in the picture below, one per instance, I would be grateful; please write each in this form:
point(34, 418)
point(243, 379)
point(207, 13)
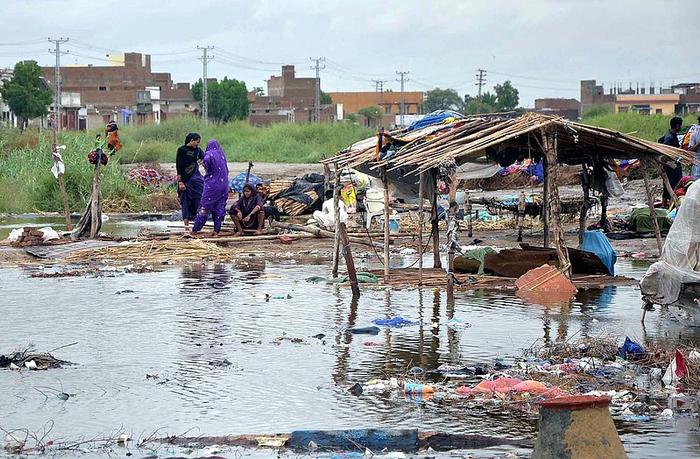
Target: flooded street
point(182, 324)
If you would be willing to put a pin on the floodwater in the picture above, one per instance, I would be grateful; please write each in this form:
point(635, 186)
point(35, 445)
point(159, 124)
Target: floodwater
point(178, 323)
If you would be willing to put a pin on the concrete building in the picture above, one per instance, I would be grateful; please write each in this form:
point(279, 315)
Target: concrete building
point(593, 95)
point(678, 99)
point(290, 100)
point(118, 91)
point(646, 104)
point(568, 108)
point(390, 101)
point(7, 117)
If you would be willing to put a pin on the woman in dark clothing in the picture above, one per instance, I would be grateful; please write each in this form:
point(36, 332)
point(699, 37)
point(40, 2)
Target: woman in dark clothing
point(190, 182)
point(247, 213)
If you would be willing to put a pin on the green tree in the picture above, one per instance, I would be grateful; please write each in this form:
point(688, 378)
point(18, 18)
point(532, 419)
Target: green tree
point(474, 105)
point(442, 99)
point(228, 99)
point(506, 96)
point(259, 91)
point(372, 113)
point(351, 117)
point(26, 93)
point(326, 98)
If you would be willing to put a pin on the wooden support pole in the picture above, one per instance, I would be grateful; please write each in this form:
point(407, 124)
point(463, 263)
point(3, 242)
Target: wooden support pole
point(350, 264)
point(546, 193)
point(667, 183)
point(468, 214)
point(549, 142)
point(650, 203)
point(604, 212)
point(437, 263)
point(385, 181)
point(336, 216)
point(95, 204)
point(451, 233)
point(61, 182)
point(521, 215)
point(585, 184)
point(421, 222)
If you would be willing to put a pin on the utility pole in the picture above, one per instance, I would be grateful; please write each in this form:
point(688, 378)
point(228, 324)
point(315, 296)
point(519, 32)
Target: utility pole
point(57, 77)
point(205, 96)
point(480, 82)
point(379, 87)
point(317, 96)
point(402, 109)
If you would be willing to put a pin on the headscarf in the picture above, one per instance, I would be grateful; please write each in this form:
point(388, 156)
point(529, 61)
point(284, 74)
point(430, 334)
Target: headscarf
point(192, 136)
point(246, 205)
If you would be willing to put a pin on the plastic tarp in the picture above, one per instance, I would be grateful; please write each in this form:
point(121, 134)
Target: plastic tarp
point(596, 243)
point(680, 256)
point(641, 222)
point(468, 171)
point(239, 180)
point(438, 116)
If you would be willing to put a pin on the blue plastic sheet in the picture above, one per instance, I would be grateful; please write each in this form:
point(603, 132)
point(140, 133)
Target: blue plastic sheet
point(630, 349)
point(239, 180)
point(438, 116)
point(394, 322)
point(596, 242)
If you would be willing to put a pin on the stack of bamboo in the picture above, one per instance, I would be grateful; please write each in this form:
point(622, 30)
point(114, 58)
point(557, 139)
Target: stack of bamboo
point(278, 186)
point(293, 208)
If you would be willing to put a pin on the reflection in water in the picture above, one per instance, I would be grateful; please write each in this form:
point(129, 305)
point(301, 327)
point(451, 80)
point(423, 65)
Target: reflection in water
point(185, 319)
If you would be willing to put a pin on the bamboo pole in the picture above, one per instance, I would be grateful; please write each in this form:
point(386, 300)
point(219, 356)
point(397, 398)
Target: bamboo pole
point(652, 209)
point(667, 183)
point(451, 234)
point(336, 210)
point(468, 214)
point(96, 206)
point(318, 232)
point(546, 192)
point(385, 181)
point(61, 181)
point(585, 184)
point(349, 262)
point(549, 138)
point(437, 263)
point(421, 199)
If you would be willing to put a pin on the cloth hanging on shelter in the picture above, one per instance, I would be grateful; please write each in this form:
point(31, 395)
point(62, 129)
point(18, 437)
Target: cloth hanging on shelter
point(680, 257)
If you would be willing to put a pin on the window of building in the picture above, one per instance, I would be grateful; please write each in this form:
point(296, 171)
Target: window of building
point(659, 111)
point(187, 105)
point(102, 88)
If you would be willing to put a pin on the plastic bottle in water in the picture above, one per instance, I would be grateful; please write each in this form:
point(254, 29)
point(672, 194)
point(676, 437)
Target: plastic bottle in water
point(413, 388)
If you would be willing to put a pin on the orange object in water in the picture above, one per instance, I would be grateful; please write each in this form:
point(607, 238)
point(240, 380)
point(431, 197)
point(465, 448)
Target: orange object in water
point(411, 388)
point(545, 285)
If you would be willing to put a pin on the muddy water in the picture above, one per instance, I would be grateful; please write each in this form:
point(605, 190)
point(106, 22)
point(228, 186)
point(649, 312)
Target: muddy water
point(179, 323)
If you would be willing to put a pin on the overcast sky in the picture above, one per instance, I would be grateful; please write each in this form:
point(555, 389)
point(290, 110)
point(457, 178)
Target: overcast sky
point(544, 47)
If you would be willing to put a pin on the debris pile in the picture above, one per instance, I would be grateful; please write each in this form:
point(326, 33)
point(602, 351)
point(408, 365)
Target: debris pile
point(28, 236)
point(30, 360)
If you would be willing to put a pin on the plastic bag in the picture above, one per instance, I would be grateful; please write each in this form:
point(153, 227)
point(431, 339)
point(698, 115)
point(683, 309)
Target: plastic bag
point(630, 349)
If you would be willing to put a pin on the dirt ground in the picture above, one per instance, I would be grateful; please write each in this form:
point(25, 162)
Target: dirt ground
point(267, 171)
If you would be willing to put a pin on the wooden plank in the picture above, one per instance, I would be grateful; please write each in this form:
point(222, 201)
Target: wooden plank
point(349, 262)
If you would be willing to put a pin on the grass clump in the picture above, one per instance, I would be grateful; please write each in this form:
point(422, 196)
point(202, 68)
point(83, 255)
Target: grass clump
point(649, 127)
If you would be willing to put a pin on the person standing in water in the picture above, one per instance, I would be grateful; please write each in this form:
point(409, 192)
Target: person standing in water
point(215, 189)
point(189, 180)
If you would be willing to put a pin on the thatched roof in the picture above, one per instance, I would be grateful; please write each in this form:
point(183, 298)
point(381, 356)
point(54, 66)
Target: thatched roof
point(471, 138)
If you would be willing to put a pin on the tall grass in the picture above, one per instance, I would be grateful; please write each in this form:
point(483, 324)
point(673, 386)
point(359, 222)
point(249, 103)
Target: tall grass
point(282, 142)
point(649, 127)
point(27, 184)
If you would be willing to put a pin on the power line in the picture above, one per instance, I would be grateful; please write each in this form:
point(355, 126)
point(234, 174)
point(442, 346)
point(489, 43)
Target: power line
point(317, 99)
point(20, 43)
point(205, 60)
point(57, 77)
point(402, 107)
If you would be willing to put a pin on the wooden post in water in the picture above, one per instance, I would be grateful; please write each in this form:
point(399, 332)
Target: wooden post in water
point(421, 199)
point(336, 219)
point(650, 203)
point(61, 181)
point(435, 231)
point(451, 233)
point(349, 262)
point(385, 181)
point(95, 202)
point(549, 141)
point(521, 215)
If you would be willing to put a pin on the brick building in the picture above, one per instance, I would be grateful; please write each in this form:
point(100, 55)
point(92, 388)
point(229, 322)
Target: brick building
point(390, 101)
point(289, 99)
point(568, 108)
point(126, 90)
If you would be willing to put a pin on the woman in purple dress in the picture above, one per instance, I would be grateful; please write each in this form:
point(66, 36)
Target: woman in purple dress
point(215, 188)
